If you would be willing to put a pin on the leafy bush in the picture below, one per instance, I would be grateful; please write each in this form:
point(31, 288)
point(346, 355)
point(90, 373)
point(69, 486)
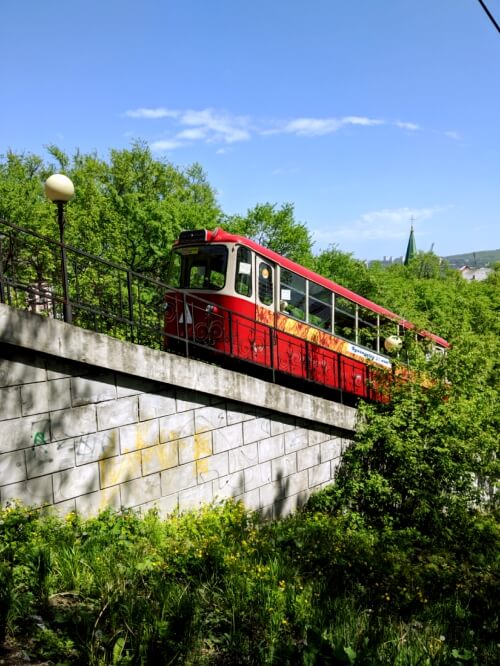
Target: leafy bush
point(219, 586)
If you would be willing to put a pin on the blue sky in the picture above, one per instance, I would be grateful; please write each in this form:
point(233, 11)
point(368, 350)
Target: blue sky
point(363, 114)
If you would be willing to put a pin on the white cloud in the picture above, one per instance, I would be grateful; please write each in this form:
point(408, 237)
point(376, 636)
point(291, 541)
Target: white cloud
point(398, 215)
point(186, 126)
point(311, 126)
point(359, 120)
point(385, 224)
point(149, 114)
point(193, 134)
point(453, 135)
point(217, 126)
point(412, 127)
point(320, 126)
point(166, 144)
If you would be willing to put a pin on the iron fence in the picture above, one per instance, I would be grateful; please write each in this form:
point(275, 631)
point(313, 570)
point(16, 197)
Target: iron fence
point(101, 295)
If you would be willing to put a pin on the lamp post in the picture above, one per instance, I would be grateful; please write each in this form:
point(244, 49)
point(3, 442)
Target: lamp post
point(59, 189)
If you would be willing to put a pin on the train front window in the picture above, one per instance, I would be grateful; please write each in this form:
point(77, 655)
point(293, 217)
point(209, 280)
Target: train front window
point(202, 267)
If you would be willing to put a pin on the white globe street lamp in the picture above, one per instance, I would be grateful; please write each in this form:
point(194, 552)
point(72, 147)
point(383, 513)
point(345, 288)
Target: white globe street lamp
point(59, 189)
point(393, 343)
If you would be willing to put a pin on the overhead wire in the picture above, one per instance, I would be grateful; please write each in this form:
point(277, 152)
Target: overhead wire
point(489, 14)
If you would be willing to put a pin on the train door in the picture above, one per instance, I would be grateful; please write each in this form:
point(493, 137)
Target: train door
point(252, 318)
point(263, 334)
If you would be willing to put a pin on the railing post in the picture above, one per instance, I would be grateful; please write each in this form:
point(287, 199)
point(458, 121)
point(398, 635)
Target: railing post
point(130, 305)
point(230, 321)
point(339, 372)
point(2, 293)
point(273, 342)
point(184, 323)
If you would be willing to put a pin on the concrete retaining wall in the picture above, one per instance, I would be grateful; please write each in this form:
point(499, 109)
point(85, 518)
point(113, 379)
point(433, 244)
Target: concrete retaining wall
point(87, 421)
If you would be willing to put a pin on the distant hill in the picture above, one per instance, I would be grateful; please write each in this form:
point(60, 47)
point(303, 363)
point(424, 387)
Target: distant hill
point(474, 259)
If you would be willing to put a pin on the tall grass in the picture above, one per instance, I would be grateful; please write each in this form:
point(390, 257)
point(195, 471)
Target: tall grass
point(219, 586)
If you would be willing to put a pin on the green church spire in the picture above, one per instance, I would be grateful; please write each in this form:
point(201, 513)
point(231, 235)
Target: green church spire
point(411, 250)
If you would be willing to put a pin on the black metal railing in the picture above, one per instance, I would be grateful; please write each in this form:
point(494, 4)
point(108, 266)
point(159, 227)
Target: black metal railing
point(102, 296)
point(36, 272)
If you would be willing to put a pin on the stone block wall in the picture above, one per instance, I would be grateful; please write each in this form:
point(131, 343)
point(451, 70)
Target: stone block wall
point(88, 421)
point(81, 438)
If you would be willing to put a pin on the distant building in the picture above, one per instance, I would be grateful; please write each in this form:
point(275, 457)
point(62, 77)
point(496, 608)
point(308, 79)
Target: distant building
point(470, 274)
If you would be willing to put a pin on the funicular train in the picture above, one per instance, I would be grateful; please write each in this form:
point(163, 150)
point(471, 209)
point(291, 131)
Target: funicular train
point(253, 308)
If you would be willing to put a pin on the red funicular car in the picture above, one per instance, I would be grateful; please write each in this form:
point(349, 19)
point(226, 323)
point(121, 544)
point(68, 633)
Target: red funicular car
point(246, 302)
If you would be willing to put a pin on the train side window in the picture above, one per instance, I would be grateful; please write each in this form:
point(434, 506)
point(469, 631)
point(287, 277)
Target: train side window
point(345, 318)
point(388, 330)
point(293, 294)
point(265, 283)
point(320, 306)
point(368, 328)
point(243, 280)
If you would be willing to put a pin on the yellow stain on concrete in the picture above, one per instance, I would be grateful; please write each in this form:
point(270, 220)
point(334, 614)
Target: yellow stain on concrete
point(157, 458)
point(202, 466)
point(119, 469)
point(202, 449)
point(202, 445)
point(146, 434)
point(107, 498)
point(112, 446)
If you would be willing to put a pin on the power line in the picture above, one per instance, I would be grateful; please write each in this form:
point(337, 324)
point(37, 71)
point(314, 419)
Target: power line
point(489, 14)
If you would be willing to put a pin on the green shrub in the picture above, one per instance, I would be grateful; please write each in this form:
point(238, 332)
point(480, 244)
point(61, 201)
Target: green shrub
point(219, 586)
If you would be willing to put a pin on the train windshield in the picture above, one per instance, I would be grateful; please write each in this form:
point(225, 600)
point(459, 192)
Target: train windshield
point(201, 267)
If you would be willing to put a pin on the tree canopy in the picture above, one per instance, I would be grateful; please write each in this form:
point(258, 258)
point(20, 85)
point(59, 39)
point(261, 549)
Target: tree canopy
point(276, 229)
point(128, 209)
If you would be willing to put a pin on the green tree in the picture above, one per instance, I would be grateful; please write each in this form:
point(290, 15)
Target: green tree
point(276, 229)
point(343, 268)
point(128, 209)
point(21, 197)
point(428, 457)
